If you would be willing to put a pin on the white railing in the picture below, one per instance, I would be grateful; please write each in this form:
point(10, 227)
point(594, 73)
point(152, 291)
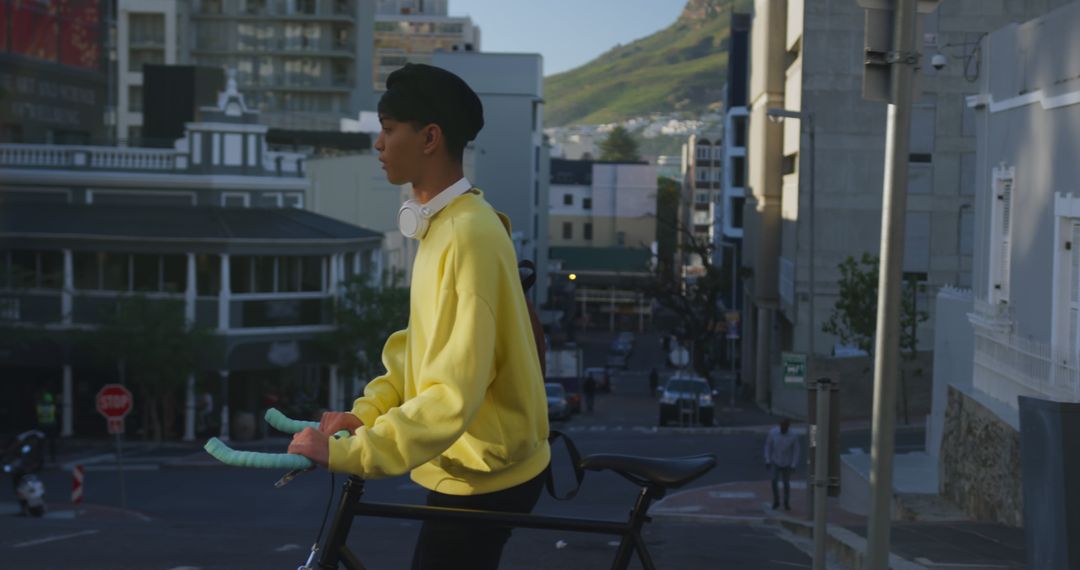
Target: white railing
point(93, 157)
point(132, 158)
point(1007, 366)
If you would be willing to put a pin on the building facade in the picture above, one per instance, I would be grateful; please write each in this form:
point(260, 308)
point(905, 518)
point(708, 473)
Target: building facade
point(53, 72)
point(1022, 324)
point(601, 204)
point(701, 203)
point(304, 64)
point(215, 223)
point(510, 156)
point(412, 31)
point(812, 69)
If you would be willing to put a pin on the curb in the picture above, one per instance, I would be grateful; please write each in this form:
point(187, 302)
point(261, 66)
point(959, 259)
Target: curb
point(846, 546)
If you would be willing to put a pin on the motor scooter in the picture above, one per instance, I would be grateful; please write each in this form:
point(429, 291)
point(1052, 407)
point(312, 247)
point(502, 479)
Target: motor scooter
point(22, 459)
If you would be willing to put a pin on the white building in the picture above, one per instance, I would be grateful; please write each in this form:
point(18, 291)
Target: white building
point(411, 31)
point(1018, 332)
point(601, 204)
point(511, 159)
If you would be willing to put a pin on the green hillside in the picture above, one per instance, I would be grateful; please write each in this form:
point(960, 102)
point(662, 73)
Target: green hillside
point(680, 68)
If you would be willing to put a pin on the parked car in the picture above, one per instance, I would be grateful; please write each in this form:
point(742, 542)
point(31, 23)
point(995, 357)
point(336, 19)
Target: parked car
point(685, 392)
point(558, 406)
point(601, 375)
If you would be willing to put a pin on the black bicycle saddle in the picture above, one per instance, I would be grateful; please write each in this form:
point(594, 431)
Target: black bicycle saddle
point(665, 472)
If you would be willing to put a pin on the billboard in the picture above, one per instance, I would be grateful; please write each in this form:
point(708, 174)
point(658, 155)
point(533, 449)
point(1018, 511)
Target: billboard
point(68, 32)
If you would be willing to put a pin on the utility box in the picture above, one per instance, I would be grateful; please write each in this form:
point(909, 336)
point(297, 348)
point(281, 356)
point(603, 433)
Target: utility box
point(1050, 465)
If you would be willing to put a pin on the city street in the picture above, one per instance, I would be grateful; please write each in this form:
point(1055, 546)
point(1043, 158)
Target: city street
point(183, 511)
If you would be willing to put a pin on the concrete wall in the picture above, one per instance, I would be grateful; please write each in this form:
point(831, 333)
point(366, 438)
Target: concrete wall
point(953, 353)
point(856, 378)
point(980, 462)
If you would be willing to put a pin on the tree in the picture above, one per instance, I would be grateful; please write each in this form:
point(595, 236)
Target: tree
point(667, 215)
point(155, 350)
point(697, 301)
point(854, 317)
point(366, 317)
point(619, 146)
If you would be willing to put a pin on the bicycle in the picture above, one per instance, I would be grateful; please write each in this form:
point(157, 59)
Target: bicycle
point(654, 475)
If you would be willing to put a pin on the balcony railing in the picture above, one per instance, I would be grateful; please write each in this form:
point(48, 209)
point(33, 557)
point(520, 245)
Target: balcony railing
point(1007, 365)
point(90, 157)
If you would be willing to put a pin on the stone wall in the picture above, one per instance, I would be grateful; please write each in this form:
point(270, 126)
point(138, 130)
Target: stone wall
point(980, 462)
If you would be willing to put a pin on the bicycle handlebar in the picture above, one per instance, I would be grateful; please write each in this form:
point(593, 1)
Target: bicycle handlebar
point(223, 453)
point(281, 422)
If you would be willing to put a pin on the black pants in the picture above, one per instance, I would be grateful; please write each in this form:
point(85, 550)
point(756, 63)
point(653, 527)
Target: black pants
point(781, 473)
point(456, 545)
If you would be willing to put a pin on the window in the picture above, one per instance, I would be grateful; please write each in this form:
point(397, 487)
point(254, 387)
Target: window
point(703, 152)
point(586, 203)
point(620, 238)
point(269, 200)
point(568, 199)
point(702, 174)
point(737, 205)
point(738, 125)
point(135, 98)
point(24, 269)
point(1000, 244)
point(207, 274)
point(738, 171)
point(234, 200)
point(294, 200)
point(145, 272)
point(87, 266)
point(116, 272)
point(567, 230)
point(588, 230)
point(701, 197)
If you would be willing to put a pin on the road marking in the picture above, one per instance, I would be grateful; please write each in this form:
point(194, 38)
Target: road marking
point(54, 538)
point(288, 547)
point(134, 467)
point(928, 562)
point(732, 494)
point(795, 564)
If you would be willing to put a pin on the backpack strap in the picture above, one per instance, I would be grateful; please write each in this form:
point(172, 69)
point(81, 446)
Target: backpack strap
point(575, 460)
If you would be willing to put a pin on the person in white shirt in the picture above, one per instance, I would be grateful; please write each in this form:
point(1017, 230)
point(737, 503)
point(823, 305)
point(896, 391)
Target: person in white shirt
point(781, 455)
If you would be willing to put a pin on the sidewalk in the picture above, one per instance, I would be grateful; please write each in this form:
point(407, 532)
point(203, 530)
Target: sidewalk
point(914, 545)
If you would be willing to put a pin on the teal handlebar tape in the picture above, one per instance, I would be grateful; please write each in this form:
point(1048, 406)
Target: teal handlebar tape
point(223, 453)
point(281, 422)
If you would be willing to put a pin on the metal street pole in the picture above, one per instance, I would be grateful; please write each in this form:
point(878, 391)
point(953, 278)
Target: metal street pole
point(821, 470)
point(902, 60)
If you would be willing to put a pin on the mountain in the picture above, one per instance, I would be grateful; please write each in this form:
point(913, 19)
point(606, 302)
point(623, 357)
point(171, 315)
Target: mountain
point(679, 68)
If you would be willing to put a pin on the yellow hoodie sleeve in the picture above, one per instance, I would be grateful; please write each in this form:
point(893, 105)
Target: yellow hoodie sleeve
point(384, 392)
point(455, 373)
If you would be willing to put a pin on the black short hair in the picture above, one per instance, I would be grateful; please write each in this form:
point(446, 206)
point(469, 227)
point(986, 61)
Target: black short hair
point(424, 94)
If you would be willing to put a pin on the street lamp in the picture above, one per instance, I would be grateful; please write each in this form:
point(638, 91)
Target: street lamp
point(807, 119)
point(731, 341)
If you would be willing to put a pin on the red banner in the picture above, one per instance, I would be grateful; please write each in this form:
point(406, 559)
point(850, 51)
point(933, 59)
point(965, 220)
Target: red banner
point(34, 28)
point(80, 44)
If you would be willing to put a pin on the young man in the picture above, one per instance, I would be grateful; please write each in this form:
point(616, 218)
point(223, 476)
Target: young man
point(462, 405)
point(782, 454)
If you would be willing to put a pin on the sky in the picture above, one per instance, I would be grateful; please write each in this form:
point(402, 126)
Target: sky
point(568, 33)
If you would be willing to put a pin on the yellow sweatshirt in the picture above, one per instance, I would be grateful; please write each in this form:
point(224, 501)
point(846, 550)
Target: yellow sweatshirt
point(462, 404)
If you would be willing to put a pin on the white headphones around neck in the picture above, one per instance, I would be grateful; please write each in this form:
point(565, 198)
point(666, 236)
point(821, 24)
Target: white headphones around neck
point(414, 217)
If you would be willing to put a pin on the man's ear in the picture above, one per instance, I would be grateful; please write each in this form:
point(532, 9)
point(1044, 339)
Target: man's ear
point(433, 138)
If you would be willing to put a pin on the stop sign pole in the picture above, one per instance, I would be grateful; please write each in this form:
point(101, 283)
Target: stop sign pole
point(114, 401)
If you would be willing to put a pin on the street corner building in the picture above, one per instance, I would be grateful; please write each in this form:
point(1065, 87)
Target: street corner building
point(216, 223)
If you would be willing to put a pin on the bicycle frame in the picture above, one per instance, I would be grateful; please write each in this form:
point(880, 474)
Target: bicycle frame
point(334, 551)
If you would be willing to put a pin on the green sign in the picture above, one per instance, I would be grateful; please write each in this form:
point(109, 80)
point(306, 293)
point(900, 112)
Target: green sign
point(794, 368)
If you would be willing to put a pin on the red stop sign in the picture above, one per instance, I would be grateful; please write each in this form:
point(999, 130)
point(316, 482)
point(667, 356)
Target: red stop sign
point(113, 401)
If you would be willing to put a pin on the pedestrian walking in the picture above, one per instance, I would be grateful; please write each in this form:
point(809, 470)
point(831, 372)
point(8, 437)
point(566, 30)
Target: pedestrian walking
point(590, 392)
point(654, 381)
point(781, 455)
